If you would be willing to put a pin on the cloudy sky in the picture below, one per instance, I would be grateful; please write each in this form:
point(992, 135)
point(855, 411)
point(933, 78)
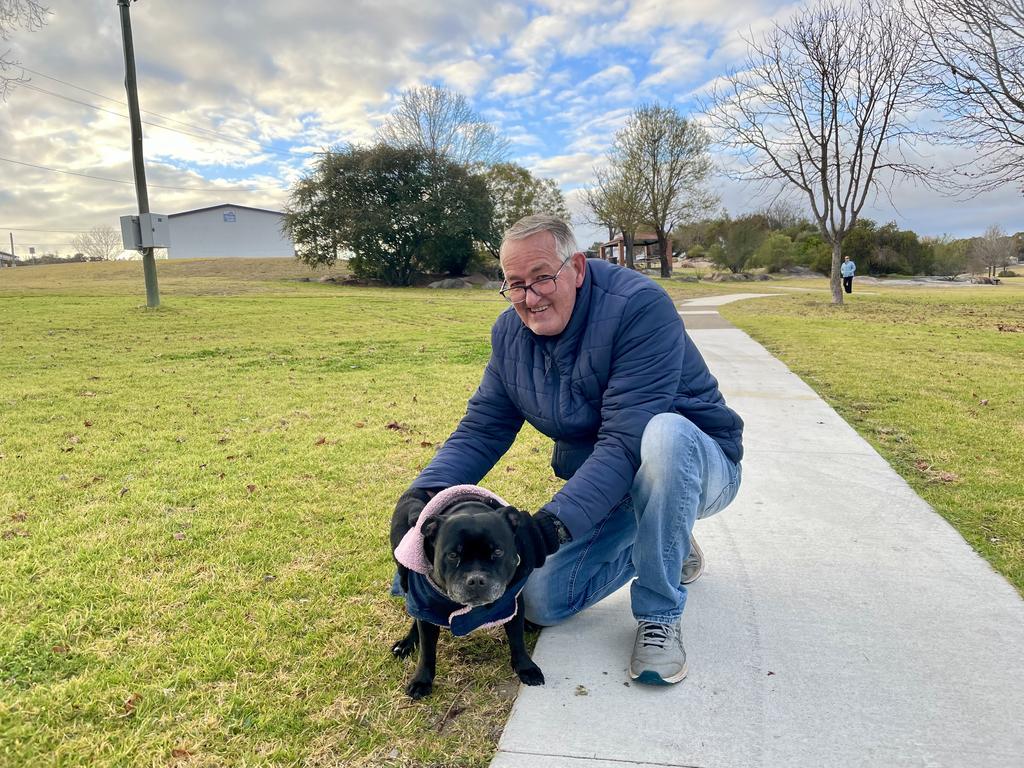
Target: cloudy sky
point(247, 90)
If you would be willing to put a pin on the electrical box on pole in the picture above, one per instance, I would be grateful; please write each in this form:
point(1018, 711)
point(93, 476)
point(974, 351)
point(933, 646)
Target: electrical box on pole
point(147, 230)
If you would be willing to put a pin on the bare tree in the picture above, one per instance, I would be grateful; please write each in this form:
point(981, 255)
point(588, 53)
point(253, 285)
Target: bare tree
point(667, 156)
point(441, 121)
point(782, 214)
point(992, 251)
point(976, 48)
point(98, 243)
point(820, 105)
point(617, 198)
point(17, 14)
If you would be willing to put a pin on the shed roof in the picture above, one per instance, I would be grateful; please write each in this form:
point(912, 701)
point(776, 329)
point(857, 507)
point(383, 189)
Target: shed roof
point(225, 205)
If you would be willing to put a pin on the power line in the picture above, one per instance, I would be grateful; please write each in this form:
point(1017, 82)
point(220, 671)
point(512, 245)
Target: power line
point(166, 117)
point(47, 231)
point(125, 181)
point(211, 134)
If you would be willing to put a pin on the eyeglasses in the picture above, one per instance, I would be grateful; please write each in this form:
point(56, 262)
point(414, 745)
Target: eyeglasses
point(545, 286)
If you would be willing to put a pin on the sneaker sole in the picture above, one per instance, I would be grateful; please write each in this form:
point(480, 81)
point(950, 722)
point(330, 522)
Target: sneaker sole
point(694, 547)
point(650, 677)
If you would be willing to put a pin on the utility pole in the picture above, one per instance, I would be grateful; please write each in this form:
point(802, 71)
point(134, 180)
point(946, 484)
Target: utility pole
point(12, 247)
point(148, 259)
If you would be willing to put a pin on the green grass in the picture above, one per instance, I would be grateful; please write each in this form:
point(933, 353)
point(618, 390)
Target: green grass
point(934, 380)
point(194, 501)
point(194, 509)
point(193, 526)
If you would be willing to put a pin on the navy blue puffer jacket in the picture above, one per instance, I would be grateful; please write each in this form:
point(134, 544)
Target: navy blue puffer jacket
point(623, 358)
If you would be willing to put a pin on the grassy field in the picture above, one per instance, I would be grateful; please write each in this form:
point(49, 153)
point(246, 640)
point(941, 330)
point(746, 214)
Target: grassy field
point(194, 514)
point(194, 500)
point(933, 378)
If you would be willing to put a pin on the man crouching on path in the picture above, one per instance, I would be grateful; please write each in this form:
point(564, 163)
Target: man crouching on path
point(595, 356)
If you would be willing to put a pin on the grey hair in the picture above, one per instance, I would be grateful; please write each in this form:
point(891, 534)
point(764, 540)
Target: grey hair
point(565, 240)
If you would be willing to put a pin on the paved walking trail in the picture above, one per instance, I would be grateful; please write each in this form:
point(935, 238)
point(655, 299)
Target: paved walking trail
point(841, 621)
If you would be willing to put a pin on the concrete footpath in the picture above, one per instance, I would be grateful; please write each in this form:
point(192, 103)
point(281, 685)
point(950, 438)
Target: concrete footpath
point(840, 622)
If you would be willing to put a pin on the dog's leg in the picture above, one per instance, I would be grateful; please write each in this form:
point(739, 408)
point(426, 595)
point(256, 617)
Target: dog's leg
point(528, 672)
point(407, 644)
point(422, 682)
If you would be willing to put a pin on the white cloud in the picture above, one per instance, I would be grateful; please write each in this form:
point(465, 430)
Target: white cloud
point(559, 77)
point(466, 76)
point(516, 84)
point(678, 62)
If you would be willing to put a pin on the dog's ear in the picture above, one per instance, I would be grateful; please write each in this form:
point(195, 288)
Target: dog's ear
point(429, 528)
point(513, 516)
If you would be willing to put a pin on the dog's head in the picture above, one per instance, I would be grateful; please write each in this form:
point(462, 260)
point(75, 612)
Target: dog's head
point(472, 546)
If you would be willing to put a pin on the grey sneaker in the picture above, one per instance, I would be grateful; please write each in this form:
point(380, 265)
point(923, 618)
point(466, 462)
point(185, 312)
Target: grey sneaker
point(693, 565)
point(658, 654)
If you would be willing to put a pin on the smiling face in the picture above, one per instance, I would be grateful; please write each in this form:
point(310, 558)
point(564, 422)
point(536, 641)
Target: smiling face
point(523, 262)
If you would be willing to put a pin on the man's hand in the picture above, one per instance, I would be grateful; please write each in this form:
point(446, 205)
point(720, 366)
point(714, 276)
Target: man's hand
point(538, 536)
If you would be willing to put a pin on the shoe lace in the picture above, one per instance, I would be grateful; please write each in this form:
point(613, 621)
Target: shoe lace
point(654, 635)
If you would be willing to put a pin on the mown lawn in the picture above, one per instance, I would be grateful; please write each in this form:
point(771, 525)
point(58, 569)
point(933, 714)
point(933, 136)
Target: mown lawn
point(194, 506)
point(193, 527)
point(194, 501)
point(934, 380)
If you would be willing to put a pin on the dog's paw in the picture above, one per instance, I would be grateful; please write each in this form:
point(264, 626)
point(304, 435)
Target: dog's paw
point(403, 648)
point(531, 675)
point(418, 689)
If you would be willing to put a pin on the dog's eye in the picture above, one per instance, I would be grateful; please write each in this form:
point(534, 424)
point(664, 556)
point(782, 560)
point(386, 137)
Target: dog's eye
point(453, 556)
point(497, 553)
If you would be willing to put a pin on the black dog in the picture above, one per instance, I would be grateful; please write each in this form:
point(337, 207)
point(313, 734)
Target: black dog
point(472, 547)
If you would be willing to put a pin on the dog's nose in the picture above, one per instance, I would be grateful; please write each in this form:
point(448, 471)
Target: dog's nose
point(476, 580)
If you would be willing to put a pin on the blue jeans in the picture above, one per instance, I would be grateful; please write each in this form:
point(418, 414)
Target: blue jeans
point(683, 476)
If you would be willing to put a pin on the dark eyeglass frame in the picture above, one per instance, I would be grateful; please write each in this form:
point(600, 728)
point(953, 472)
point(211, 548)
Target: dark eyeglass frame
point(506, 289)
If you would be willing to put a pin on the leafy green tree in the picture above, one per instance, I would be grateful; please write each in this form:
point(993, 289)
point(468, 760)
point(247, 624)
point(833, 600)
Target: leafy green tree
point(860, 243)
point(813, 252)
point(400, 211)
point(515, 193)
point(742, 238)
point(950, 256)
point(775, 253)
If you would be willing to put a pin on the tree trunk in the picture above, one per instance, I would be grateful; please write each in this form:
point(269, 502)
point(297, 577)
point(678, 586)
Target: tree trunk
point(627, 249)
point(666, 254)
point(836, 280)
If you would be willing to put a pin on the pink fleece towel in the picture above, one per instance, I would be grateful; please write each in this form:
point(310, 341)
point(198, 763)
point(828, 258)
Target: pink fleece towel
point(409, 551)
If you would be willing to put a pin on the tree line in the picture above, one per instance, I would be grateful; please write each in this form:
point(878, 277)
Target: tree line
point(432, 195)
point(779, 238)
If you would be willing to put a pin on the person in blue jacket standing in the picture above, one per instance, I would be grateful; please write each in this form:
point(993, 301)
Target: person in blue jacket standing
point(847, 268)
point(595, 356)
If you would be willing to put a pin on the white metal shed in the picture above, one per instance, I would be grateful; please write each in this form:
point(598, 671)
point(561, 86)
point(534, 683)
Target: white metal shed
point(228, 231)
